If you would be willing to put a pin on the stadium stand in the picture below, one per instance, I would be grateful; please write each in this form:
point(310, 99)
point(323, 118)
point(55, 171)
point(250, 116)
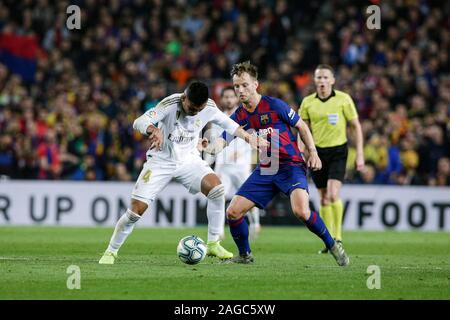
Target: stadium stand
point(68, 97)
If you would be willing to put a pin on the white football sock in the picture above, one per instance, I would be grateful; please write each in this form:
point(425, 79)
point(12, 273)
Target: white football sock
point(123, 228)
point(254, 214)
point(215, 211)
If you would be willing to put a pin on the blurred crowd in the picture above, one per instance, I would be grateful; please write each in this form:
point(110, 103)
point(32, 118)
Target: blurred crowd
point(73, 120)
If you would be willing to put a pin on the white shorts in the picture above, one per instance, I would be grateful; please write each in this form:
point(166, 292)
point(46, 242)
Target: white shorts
point(232, 179)
point(157, 174)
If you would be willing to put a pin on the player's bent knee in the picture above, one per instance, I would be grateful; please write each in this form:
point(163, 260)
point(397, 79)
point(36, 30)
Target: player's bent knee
point(233, 214)
point(217, 192)
point(333, 193)
point(138, 207)
point(333, 197)
point(325, 198)
point(302, 214)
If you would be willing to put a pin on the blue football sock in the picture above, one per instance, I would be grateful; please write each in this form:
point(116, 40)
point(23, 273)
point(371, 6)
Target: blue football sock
point(239, 231)
point(315, 224)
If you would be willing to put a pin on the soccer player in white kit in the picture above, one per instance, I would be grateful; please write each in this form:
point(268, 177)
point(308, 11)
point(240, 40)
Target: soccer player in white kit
point(234, 164)
point(173, 128)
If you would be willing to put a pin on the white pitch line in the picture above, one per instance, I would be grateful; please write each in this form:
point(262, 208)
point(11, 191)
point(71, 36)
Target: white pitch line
point(419, 268)
point(15, 258)
point(40, 259)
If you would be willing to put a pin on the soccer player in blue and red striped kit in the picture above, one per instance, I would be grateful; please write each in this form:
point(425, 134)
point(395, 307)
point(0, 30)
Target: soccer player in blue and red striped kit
point(284, 169)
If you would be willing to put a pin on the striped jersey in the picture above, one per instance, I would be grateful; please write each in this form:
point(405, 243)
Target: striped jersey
point(273, 118)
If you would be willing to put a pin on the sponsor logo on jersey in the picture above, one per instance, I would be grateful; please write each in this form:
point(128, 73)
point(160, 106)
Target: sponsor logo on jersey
point(265, 131)
point(181, 135)
point(180, 139)
point(261, 132)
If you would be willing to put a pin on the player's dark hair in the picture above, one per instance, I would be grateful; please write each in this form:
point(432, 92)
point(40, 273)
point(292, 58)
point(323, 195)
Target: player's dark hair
point(246, 66)
point(197, 92)
point(326, 67)
point(224, 89)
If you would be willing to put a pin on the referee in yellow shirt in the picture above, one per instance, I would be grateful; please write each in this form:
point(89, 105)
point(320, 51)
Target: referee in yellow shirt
point(327, 111)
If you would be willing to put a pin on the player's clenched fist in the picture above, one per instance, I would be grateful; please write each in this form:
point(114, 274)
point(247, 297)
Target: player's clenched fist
point(155, 136)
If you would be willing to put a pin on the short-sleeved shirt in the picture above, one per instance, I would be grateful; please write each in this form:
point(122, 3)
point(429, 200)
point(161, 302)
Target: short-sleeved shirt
point(328, 118)
point(273, 118)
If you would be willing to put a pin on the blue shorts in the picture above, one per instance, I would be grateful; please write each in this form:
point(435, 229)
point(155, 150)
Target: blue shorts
point(262, 188)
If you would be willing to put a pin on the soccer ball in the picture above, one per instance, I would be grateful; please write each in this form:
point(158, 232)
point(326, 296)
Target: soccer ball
point(191, 250)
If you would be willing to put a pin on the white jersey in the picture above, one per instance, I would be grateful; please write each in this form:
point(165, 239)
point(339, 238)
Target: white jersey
point(180, 131)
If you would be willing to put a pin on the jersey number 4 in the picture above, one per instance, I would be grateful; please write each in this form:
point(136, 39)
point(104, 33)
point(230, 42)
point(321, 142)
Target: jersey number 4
point(147, 176)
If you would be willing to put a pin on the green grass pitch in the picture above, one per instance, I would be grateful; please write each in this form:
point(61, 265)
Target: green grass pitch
point(34, 262)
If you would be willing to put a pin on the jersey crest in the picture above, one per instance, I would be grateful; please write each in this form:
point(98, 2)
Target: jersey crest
point(264, 119)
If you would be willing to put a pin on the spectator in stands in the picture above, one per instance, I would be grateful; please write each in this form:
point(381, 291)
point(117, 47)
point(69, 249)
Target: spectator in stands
point(442, 177)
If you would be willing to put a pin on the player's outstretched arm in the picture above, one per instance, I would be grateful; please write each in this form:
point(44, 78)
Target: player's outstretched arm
point(214, 147)
point(229, 124)
point(254, 141)
point(313, 161)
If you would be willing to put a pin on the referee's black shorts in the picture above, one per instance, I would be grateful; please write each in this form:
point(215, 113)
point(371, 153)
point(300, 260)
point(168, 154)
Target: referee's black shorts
point(334, 160)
